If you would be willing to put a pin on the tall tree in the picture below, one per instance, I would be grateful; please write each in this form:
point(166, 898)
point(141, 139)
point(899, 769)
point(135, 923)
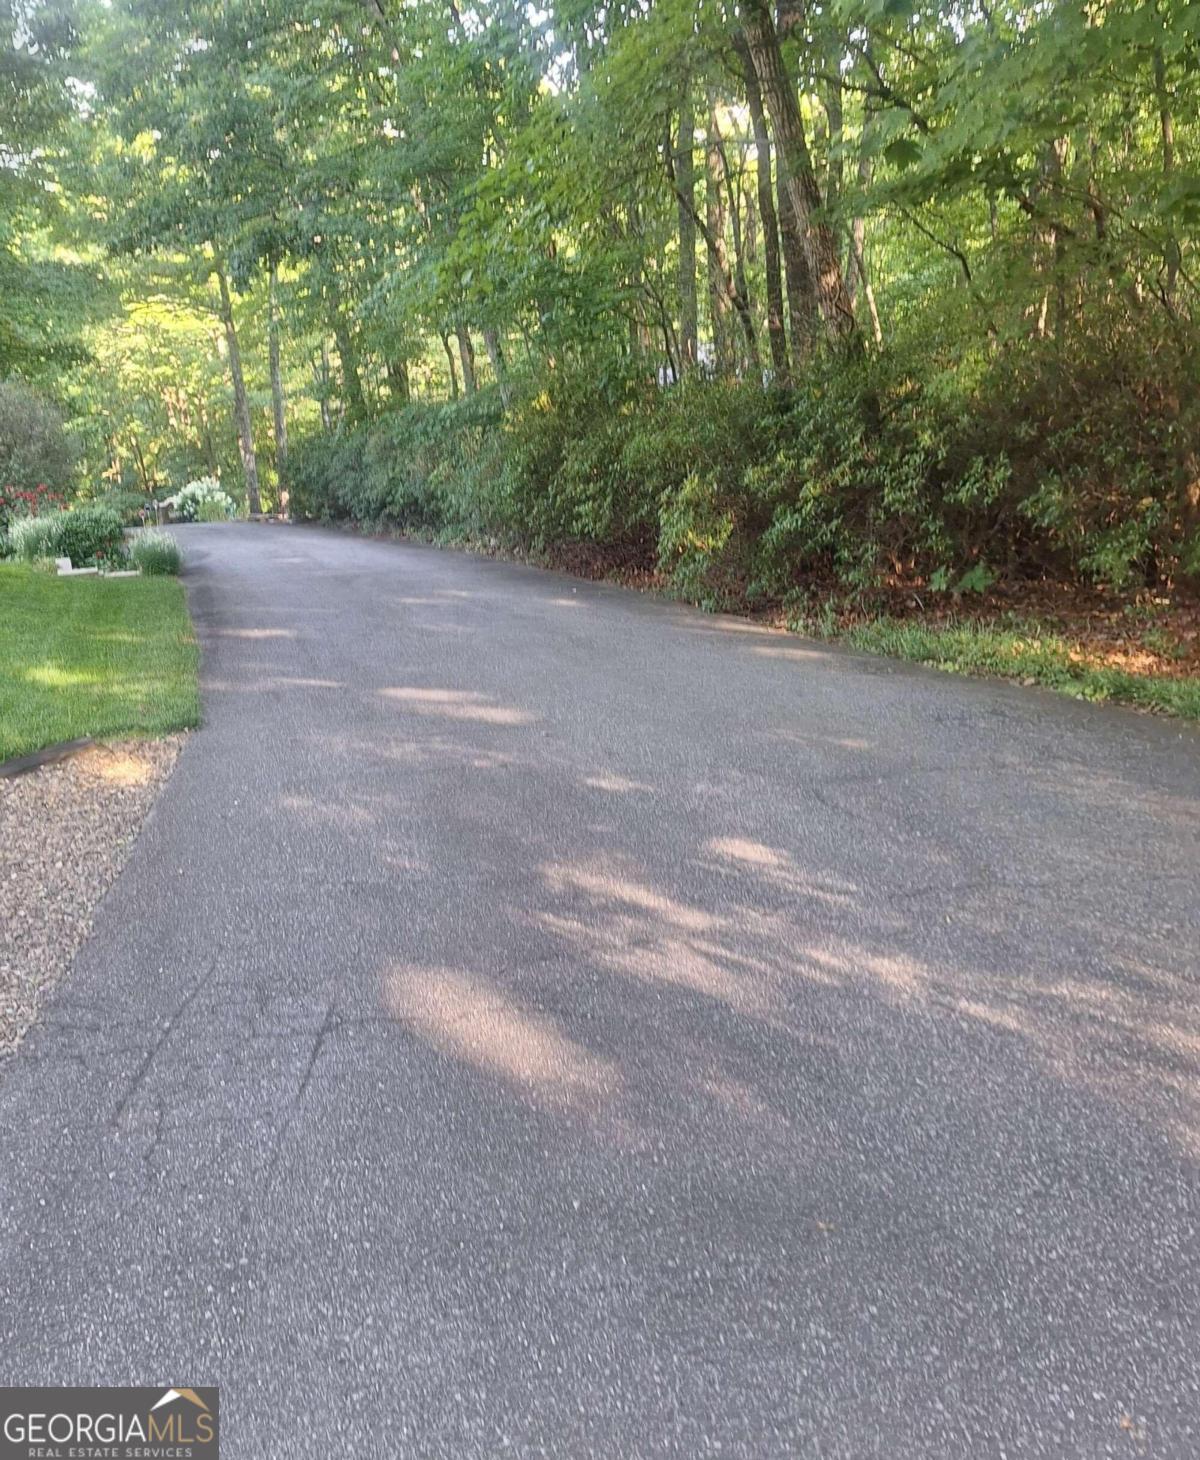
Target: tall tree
point(278, 406)
point(241, 401)
point(685, 181)
point(766, 210)
point(800, 187)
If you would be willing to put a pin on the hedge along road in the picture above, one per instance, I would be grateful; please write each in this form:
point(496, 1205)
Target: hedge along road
point(538, 1016)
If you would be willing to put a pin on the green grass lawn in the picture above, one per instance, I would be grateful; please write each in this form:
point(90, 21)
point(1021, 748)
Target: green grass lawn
point(1026, 652)
point(92, 656)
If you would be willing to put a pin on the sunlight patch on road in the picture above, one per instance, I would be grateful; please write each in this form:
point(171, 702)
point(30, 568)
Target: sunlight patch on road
point(628, 927)
point(457, 704)
point(437, 599)
point(895, 971)
point(253, 633)
point(778, 869)
point(340, 813)
point(639, 897)
point(740, 849)
point(269, 683)
point(675, 961)
point(772, 651)
point(619, 785)
point(474, 1021)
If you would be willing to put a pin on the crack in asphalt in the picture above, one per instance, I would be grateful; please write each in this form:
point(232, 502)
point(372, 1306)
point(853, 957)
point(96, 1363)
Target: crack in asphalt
point(329, 1025)
point(168, 1028)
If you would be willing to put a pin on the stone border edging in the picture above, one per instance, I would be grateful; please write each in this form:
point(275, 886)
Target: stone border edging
point(48, 755)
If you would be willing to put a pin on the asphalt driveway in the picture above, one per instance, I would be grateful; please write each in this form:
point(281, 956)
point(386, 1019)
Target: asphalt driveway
point(539, 1020)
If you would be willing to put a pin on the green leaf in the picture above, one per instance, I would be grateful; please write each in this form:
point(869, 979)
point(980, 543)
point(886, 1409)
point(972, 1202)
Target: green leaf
point(903, 152)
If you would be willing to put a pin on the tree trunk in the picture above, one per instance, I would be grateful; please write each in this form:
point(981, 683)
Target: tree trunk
point(860, 268)
point(140, 462)
point(801, 190)
point(397, 374)
point(804, 318)
point(856, 268)
point(450, 363)
point(241, 402)
point(352, 391)
point(741, 293)
point(1166, 123)
point(718, 260)
point(466, 352)
point(1048, 237)
point(724, 292)
point(770, 222)
point(834, 164)
point(495, 353)
point(326, 418)
point(281, 445)
point(635, 323)
point(685, 182)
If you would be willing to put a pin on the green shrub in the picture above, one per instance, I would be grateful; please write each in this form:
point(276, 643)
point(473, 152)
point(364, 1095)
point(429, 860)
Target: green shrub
point(425, 469)
point(695, 528)
point(934, 462)
point(562, 478)
point(155, 552)
point(90, 534)
point(35, 449)
point(430, 466)
point(87, 535)
point(133, 508)
point(320, 469)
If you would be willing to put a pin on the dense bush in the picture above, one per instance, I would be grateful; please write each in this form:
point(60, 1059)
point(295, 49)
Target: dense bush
point(133, 508)
point(323, 475)
point(918, 464)
point(35, 449)
point(155, 552)
point(91, 534)
point(87, 535)
point(427, 468)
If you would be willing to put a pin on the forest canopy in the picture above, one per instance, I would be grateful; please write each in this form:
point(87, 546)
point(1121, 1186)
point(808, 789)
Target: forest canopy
point(864, 290)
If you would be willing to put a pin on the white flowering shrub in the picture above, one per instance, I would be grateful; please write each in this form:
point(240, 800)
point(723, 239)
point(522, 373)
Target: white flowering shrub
point(203, 500)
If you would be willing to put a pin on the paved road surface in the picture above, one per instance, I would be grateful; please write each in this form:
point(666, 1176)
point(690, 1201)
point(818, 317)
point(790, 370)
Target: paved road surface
point(539, 1020)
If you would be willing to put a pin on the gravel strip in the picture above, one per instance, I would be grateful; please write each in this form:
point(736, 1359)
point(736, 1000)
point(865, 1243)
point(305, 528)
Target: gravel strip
point(65, 831)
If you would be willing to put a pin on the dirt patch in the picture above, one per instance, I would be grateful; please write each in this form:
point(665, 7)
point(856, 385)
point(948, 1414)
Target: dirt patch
point(65, 832)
